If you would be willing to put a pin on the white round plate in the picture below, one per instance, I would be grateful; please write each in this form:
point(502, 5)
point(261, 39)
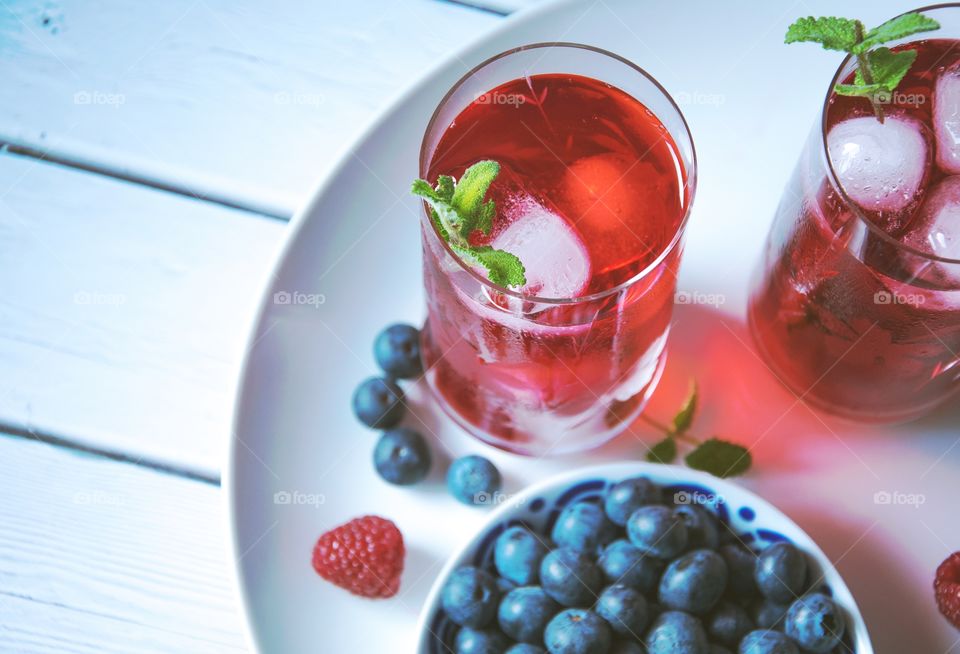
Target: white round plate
point(300, 463)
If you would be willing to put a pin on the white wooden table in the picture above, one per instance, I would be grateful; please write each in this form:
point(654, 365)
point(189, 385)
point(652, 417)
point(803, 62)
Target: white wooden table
point(149, 158)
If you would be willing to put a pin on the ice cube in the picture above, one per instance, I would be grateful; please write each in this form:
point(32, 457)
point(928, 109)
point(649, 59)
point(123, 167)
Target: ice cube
point(946, 120)
point(935, 229)
point(556, 260)
point(880, 165)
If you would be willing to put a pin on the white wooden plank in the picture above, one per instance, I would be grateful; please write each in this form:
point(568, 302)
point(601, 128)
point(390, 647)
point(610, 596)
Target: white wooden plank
point(101, 556)
point(235, 99)
point(124, 311)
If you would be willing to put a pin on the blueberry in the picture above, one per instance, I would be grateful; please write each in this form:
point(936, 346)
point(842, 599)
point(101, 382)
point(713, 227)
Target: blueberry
point(766, 642)
point(583, 526)
point(702, 530)
point(741, 563)
point(473, 480)
point(625, 609)
point(657, 531)
point(781, 572)
point(675, 632)
point(525, 612)
point(629, 495)
point(397, 351)
point(694, 583)
point(378, 403)
point(577, 631)
point(728, 623)
point(570, 577)
point(628, 647)
point(622, 562)
point(769, 615)
point(476, 641)
point(470, 597)
point(402, 456)
point(815, 623)
point(525, 648)
point(517, 555)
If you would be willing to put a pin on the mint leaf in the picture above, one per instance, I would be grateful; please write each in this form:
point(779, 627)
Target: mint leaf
point(859, 90)
point(720, 458)
point(663, 452)
point(503, 268)
point(458, 208)
point(830, 32)
point(684, 417)
point(889, 67)
point(897, 28)
point(468, 197)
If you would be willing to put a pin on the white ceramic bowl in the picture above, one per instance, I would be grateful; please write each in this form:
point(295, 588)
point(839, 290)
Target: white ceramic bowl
point(756, 521)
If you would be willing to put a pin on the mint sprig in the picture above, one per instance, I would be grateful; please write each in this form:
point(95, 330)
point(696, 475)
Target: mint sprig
point(458, 209)
point(879, 69)
point(718, 457)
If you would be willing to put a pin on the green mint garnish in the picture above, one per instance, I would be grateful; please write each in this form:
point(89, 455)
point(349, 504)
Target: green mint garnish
point(718, 457)
point(879, 69)
point(457, 208)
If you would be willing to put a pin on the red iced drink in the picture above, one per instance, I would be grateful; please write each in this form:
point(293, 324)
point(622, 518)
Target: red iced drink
point(856, 306)
point(592, 194)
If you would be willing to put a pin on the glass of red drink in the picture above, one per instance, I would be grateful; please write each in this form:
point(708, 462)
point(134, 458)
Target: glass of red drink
point(856, 302)
point(597, 175)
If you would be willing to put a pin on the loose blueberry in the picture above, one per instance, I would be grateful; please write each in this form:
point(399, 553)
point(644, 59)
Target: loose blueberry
point(397, 351)
point(694, 583)
point(629, 495)
point(525, 648)
point(622, 562)
point(525, 612)
point(473, 480)
point(402, 457)
point(476, 641)
point(378, 403)
point(577, 631)
point(741, 563)
point(470, 597)
point(570, 577)
point(625, 609)
point(781, 572)
point(675, 632)
point(583, 526)
point(815, 623)
point(766, 642)
point(657, 531)
point(769, 615)
point(702, 530)
point(517, 555)
point(728, 623)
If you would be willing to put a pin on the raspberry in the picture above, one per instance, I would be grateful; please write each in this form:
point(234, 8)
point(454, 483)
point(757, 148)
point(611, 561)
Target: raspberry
point(946, 585)
point(363, 556)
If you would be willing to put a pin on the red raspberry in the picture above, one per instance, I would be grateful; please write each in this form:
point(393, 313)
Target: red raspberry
point(364, 556)
point(946, 585)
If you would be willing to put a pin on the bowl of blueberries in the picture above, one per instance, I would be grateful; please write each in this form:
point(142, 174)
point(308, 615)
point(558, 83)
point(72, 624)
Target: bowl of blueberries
point(637, 558)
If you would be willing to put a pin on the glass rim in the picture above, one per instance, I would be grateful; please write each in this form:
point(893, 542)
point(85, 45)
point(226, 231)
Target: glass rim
point(874, 229)
point(689, 185)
